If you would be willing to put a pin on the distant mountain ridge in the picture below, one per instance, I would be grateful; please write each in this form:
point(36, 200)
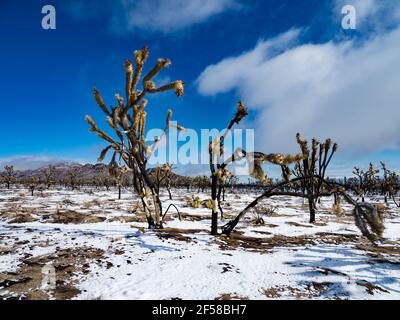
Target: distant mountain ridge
point(32, 162)
point(84, 171)
point(35, 167)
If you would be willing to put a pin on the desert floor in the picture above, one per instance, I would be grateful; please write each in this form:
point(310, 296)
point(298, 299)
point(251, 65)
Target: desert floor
point(98, 249)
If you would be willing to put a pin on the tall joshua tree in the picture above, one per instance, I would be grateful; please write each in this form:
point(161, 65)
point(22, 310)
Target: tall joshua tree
point(361, 184)
point(390, 184)
point(8, 175)
point(128, 122)
point(216, 151)
point(372, 178)
point(367, 180)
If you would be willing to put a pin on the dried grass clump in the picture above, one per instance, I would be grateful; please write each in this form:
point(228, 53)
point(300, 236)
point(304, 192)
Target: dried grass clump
point(74, 217)
point(208, 204)
point(196, 203)
point(22, 218)
point(261, 211)
point(368, 220)
point(193, 202)
point(337, 208)
point(92, 203)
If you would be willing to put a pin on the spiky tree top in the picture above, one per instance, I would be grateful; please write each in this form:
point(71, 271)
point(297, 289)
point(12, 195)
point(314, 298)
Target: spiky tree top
point(128, 118)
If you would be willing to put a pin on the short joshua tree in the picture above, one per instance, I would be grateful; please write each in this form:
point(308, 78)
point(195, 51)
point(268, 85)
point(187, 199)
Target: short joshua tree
point(162, 177)
point(72, 178)
point(8, 175)
point(49, 175)
point(117, 173)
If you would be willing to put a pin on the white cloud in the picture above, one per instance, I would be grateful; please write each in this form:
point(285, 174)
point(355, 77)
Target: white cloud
point(172, 15)
point(235, 70)
point(340, 90)
point(364, 8)
point(374, 14)
point(164, 16)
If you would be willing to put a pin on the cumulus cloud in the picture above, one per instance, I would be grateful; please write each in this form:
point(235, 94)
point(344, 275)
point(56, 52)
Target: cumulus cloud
point(231, 72)
point(342, 90)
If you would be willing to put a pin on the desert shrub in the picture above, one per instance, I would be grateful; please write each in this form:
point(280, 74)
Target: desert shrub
point(207, 204)
point(260, 212)
point(193, 202)
point(91, 203)
point(196, 203)
point(134, 208)
point(382, 210)
point(337, 208)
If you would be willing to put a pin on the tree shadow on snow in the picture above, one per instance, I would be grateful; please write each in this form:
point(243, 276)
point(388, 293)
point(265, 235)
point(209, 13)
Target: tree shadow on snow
point(348, 264)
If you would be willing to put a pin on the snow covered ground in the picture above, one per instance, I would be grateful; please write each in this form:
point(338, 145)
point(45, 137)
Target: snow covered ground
point(99, 249)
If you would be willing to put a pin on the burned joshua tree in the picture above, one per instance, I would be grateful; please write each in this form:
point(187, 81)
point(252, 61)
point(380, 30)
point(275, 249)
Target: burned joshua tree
point(218, 170)
point(72, 176)
point(103, 179)
point(367, 181)
point(128, 122)
point(49, 175)
point(390, 184)
point(33, 184)
point(314, 164)
point(218, 167)
point(311, 170)
point(117, 173)
point(8, 175)
point(162, 177)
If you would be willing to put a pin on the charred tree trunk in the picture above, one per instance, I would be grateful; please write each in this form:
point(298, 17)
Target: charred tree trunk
point(158, 211)
point(311, 206)
point(214, 214)
point(169, 193)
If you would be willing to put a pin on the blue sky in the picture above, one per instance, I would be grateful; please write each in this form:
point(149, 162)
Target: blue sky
point(47, 75)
